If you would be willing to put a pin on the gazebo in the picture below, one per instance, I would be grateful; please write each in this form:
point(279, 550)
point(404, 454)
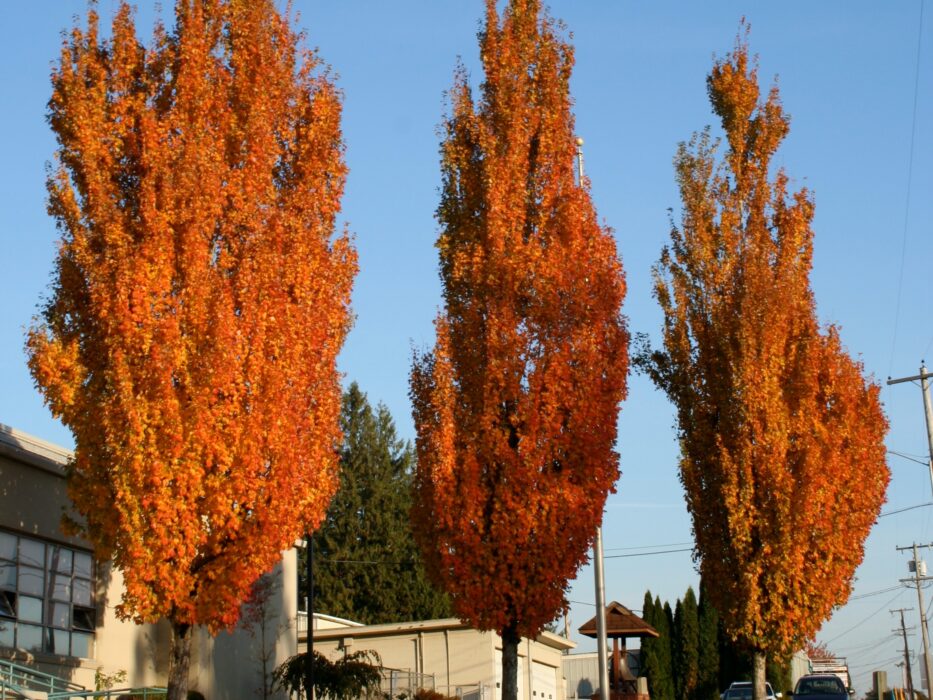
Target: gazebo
point(621, 623)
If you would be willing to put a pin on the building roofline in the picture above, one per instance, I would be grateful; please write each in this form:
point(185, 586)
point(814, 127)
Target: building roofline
point(33, 450)
point(449, 623)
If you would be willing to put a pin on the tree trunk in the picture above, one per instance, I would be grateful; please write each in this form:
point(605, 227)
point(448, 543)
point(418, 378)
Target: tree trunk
point(510, 640)
point(179, 662)
point(758, 675)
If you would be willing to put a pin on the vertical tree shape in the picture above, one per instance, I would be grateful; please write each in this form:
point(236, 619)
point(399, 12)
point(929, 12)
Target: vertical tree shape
point(708, 642)
point(783, 461)
point(516, 407)
point(686, 646)
point(199, 302)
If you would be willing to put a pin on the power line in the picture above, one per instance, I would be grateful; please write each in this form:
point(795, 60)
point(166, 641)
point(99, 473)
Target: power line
point(647, 546)
point(902, 510)
point(864, 619)
point(874, 593)
point(648, 554)
point(912, 458)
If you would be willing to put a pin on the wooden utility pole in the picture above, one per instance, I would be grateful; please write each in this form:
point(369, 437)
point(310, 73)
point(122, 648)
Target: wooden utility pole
point(919, 571)
point(910, 678)
point(924, 377)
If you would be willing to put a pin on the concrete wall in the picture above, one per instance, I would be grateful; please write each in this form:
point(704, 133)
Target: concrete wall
point(463, 662)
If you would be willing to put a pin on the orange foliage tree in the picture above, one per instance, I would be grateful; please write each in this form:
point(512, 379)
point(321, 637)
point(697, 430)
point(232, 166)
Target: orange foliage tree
point(783, 461)
point(516, 407)
point(199, 303)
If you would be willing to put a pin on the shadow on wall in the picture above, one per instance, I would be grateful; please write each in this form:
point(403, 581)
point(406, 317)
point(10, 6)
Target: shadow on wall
point(153, 646)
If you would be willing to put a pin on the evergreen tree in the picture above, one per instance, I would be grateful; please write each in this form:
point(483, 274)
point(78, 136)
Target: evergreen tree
point(664, 624)
point(648, 655)
point(366, 565)
point(686, 641)
point(708, 676)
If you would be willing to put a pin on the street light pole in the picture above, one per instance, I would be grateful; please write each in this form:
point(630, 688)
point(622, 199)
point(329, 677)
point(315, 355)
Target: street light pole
point(602, 648)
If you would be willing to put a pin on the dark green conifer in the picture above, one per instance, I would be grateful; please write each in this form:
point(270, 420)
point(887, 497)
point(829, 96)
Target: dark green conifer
point(367, 567)
point(686, 646)
point(708, 677)
point(664, 624)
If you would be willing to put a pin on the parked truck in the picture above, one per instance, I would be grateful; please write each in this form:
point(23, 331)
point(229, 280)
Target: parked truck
point(836, 665)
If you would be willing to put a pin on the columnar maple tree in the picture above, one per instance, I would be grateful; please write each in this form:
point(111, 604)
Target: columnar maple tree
point(783, 461)
point(516, 406)
point(199, 302)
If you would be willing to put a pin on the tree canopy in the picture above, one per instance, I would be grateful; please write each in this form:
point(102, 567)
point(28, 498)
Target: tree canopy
point(783, 461)
point(516, 406)
point(199, 300)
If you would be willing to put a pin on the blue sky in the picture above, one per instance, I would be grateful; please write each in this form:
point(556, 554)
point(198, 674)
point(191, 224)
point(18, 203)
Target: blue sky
point(847, 73)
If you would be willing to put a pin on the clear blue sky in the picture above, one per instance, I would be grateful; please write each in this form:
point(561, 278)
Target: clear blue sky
point(847, 76)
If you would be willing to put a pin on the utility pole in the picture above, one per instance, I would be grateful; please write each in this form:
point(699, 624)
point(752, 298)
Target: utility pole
point(910, 678)
point(919, 571)
point(602, 648)
point(924, 378)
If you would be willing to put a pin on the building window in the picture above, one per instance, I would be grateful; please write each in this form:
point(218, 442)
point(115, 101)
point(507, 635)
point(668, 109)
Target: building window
point(46, 597)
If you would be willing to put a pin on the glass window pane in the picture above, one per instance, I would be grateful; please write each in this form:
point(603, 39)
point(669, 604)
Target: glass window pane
point(59, 559)
point(57, 642)
point(83, 619)
point(8, 576)
point(30, 609)
point(81, 645)
point(7, 546)
point(82, 564)
point(59, 615)
point(31, 552)
point(29, 637)
point(7, 604)
point(6, 633)
point(61, 587)
point(30, 580)
point(81, 591)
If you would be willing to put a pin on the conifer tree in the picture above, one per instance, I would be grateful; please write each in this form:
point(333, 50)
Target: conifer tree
point(686, 646)
point(664, 624)
point(647, 656)
point(708, 649)
point(367, 567)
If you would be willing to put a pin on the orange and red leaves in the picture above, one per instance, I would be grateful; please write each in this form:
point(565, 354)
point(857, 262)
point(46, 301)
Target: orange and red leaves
point(200, 301)
point(782, 437)
point(516, 406)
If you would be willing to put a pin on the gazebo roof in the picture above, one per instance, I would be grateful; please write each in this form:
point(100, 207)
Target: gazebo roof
point(620, 622)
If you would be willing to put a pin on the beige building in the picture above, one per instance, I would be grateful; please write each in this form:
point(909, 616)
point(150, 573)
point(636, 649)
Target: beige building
point(446, 655)
point(57, 614)
point(57, 604)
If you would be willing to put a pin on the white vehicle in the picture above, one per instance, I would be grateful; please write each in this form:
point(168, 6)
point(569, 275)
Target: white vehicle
point(742, 690)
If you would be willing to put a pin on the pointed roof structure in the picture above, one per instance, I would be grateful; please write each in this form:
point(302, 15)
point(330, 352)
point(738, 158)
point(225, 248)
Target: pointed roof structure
point(620, 623)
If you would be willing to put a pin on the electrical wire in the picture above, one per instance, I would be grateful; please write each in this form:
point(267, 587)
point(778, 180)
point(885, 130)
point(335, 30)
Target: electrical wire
point(864, 619)
point(874, 593)
point(647, 554)
point(902, 510)
point(647, 546)
point(912, 458)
